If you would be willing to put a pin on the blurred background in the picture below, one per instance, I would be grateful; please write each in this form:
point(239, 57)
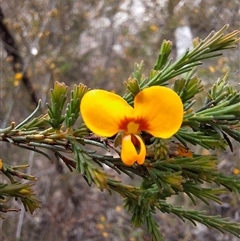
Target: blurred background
point(97, 43)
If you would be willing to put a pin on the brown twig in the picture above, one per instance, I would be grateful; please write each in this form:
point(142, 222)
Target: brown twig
point(16, 59)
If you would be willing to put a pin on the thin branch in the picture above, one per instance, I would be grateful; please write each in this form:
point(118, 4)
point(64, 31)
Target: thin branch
point(17, 60)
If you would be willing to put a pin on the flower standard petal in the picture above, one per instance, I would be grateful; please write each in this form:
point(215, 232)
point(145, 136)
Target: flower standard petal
point(129, 154)
point(102, 111)
point(162, 110)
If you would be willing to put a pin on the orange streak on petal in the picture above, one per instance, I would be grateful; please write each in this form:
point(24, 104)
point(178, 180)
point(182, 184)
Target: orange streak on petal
point(143, 124)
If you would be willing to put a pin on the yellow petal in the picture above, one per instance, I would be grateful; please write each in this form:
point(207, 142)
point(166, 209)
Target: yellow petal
point(129, 154)
point(102, 111)
point(161, 109)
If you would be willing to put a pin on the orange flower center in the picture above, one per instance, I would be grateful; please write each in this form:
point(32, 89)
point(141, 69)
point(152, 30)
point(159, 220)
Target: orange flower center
point(133, 125)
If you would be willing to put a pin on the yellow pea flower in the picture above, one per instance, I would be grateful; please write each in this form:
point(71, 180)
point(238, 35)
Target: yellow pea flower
point(157, 110)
